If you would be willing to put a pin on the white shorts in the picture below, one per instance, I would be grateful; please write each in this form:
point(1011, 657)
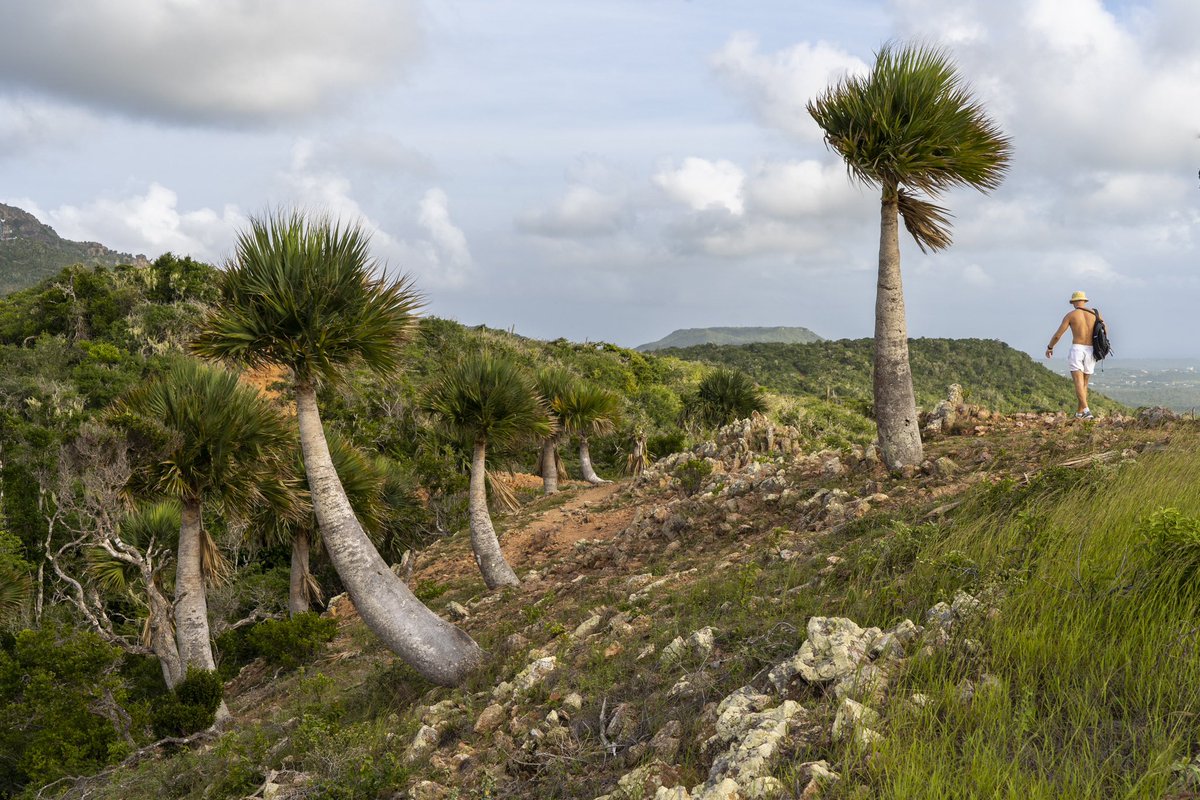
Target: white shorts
point(1080, 359)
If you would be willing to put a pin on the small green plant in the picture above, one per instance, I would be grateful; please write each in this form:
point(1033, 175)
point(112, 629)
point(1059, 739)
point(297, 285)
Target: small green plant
point(1173, 539)
point(193, 705)
point(691, 474)
point(288, 643)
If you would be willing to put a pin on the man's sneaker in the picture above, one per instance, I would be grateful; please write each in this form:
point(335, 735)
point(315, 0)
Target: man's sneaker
point(1085, 414)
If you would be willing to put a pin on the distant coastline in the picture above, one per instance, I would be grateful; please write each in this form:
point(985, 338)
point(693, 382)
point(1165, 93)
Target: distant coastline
point(1170, 382)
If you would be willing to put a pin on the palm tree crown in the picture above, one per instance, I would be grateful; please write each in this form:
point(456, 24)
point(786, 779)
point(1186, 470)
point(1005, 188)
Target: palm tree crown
point(211, 437)
point(911, 122)
point(306, 294)
point(488, 398)
point(589, 410)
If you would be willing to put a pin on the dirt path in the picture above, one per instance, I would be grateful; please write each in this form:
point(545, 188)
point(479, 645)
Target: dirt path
point(533, 536)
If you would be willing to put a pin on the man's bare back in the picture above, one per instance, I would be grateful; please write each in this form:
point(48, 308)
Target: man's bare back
point(1082, 323)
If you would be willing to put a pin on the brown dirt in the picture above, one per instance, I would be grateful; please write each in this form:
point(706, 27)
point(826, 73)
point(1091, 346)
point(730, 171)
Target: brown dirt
point(532, 537)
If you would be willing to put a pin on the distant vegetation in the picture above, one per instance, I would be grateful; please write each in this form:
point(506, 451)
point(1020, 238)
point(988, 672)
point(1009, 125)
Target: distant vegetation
point(31, 251)
point(689, 337)
point(991, 373)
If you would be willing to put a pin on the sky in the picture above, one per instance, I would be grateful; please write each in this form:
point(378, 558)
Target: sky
point(613, 170)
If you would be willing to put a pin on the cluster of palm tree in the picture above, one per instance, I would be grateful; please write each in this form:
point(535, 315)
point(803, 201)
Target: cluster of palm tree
point(488, 400)
point(304, 295)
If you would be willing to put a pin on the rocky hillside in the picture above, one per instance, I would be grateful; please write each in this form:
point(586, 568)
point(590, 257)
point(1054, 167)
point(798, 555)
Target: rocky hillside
point(751, 620)
point(31, 251)
point(690, 337)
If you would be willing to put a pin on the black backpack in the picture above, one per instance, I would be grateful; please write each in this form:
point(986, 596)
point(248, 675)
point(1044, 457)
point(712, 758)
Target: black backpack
point(1101, 347)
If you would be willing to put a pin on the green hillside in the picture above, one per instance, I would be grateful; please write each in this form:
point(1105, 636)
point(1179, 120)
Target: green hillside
point(690, 337)
point(31, 251)
point(991, 373)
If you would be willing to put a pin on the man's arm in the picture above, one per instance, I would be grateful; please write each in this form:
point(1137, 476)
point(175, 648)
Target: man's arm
point(1066, 323)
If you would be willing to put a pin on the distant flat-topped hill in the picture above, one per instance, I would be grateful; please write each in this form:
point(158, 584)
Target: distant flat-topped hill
point(690, 337)
point(31, 251)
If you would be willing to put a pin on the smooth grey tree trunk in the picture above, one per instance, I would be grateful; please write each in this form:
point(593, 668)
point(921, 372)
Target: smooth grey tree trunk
point(489, 557)
point(895, 404)
point(439, 651)
point(191, 601)
point(192, 636)
point(585, 463)
point(550, 465)
point(298, 583)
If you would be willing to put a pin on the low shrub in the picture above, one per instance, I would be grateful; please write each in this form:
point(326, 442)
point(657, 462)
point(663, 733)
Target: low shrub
point(288, 643)
point(691, 474)
point(192, 706)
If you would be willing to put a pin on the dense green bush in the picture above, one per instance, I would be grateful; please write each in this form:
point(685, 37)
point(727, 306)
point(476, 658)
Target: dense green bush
point(193, 705)
point(61, 707)
point(288, 643)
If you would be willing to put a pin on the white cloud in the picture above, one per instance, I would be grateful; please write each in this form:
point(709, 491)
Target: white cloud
point(228, 62)
point(803, 189)
point(150, 223)
point(779, 85)
point(449, 242)
point(581, 212)
point(702, 184)
point(439, 259)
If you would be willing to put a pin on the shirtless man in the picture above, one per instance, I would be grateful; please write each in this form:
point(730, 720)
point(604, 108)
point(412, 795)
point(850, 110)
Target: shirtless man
point(1080, 360)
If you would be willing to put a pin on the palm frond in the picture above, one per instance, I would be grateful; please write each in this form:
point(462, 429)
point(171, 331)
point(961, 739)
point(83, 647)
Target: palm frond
point(725, 395)
point(489, 398)
point(589, 410)
point(502, 492)
point(200, 433)
point(16, 591)
point(304, 292)
point(554, 384)
point(912, 122)
point(928, 223)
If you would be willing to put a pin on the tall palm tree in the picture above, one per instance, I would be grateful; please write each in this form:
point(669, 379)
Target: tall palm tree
point(910, 127)
point(587, 410)
point(553, 384)
point(210, 441)
point(485, 399)
point(305, 294)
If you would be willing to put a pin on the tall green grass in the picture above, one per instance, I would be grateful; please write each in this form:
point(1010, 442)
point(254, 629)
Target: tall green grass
point(1095, 654)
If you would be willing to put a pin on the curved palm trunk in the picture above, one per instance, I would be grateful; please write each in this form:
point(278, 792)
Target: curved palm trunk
point(895, 405)
point(298, 583)
point(435, 648)
point(585, 463)
point(549, 465)
point(489, 557)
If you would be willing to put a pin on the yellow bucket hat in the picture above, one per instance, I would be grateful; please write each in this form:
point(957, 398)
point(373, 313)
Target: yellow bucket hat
point(1079, 296)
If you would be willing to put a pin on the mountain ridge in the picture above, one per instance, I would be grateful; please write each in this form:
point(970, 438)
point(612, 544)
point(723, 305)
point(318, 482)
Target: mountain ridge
point(31, 250)
point(731, 335)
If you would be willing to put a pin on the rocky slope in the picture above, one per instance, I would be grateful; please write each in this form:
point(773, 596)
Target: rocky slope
point(696, 633)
